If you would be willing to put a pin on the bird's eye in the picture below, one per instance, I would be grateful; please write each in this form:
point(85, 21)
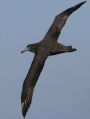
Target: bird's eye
point(27, 47)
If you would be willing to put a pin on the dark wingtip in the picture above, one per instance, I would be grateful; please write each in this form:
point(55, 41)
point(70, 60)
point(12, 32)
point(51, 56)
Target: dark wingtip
point(24, 114)
point(82, 3)
point(74, 8)
point(79, 5)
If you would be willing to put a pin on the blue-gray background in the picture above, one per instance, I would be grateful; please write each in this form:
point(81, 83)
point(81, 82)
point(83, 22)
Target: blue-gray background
point(63, 89)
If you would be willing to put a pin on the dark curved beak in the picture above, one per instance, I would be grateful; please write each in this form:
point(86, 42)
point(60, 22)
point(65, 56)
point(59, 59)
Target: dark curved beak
point(24, 50)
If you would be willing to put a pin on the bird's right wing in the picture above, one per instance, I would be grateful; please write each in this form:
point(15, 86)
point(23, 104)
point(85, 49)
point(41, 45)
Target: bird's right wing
point(30, 82)
point(59, 21)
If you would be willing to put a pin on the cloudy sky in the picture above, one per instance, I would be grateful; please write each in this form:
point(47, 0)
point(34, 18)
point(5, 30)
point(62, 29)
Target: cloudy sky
point(63, 89)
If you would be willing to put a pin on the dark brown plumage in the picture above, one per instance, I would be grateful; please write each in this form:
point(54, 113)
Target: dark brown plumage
point(46, 47)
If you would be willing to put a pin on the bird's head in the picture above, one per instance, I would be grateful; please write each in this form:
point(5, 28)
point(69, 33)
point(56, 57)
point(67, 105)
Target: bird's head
point(26, 49)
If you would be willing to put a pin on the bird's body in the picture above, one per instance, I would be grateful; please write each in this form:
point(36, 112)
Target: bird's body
point(48, 46)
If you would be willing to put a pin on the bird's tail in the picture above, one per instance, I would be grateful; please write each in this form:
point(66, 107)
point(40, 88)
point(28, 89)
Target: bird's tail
point(70, 49)
point(70, 10)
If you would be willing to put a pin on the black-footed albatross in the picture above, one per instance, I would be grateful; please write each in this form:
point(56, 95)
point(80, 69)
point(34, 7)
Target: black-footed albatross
point(46, 47)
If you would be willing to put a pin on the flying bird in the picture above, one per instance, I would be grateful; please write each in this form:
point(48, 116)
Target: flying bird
point(48, 46)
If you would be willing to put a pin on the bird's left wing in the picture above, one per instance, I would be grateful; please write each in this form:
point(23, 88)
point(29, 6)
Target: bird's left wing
point(59, 21)
point(30, 82)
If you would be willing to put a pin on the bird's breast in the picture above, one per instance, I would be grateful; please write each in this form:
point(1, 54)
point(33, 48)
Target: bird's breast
point(46, 48)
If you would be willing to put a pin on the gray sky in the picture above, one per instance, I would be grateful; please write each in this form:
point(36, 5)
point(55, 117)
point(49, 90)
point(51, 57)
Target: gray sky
point(63, 89)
